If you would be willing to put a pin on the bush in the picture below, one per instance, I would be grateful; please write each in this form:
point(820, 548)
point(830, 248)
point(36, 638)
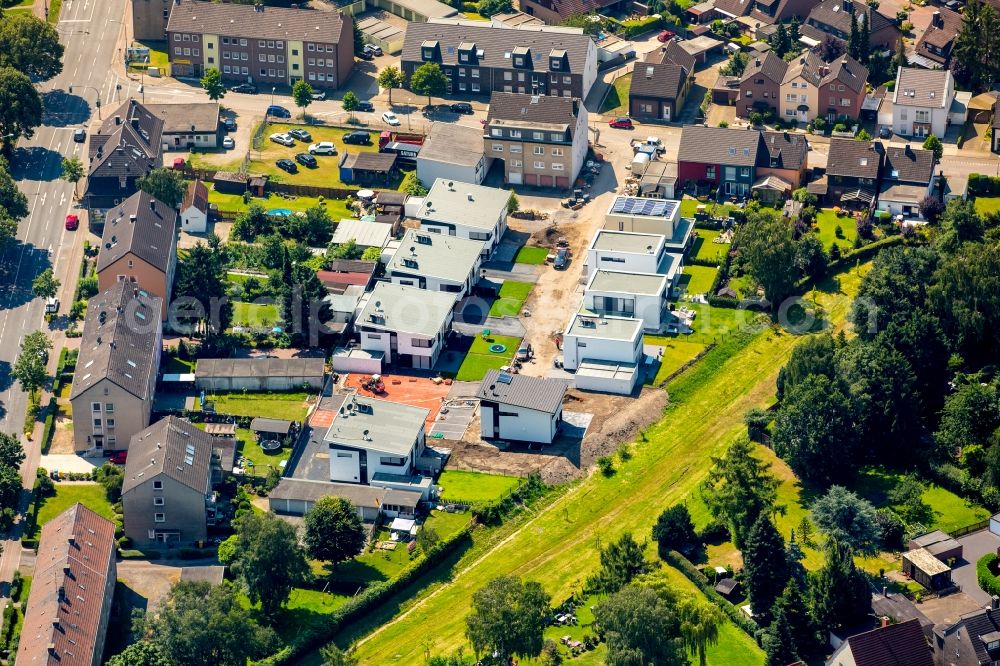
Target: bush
point(985, 574)
point(984, 186)
point(678, 561)
point(139, 555)
point(715, 532)
point(607, 465)
point(890, 529)
point(31, 544)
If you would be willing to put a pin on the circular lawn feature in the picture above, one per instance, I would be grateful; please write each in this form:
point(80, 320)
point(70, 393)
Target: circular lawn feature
point(498, 348)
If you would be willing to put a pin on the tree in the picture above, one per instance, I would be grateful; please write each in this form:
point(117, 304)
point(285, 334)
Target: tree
point(814, 432)
point(840, 596)
point(735, 65)
point(907, 497)
point(269, 560)
point(333, 530)
point(348, 250)
point(780, 41)
point(931, 208)
point(302, 94)
point(428, 79)
point(427, 538)
point(389, 78)
point(20, 108)
point(847, 518)
point(975, 58)
point(674, 530)
point(252, 223)
point(315, 228)
point(551, 655)
point(30, 46)
point(350, 103)
point(508, 617)
point(359, 38)
point(899, 59)
point(45, 284)
point(960, 223)
point(810, 258)
point(933, 144)
point(864, 40)
point(334, 656)
point(488, 8)
point(779, 643)
point(201, 625)
point(966, 297)
point(700, 624)
point(72, 171)
point(854, 39)
point(815, 355)
point(970, 415)
point(793, 607)
point(212, 84)
point(830, 48)
point(640, 627)
point(766, 244)
point(373, 254)
point(142, 653)
point(739, 489)
point(513, 203)
point(894, 288)
point(621, 561)
point(863, 135)
point(11, 457)
point(111, 477)
point(166, 185)
point(765, 568)
point(29, 368)
point(201, 278)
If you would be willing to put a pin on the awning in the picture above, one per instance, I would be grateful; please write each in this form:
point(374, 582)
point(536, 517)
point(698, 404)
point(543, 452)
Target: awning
point(803, 107)
point(860, 195)
point(401, 525)
point(772, 182)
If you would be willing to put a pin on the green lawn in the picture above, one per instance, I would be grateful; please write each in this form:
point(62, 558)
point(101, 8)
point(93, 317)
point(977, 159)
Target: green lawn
point(304, 608)
point(249, 448)
point(473, 16)
point(559, 547)
point(253, 314)
point(615, 103)
point(480, 359)
point(987, 205)
point(447, 524)
point(827, 222)
point(676, 352)
point(157, 56)
point(91, 495)
point(697, 279)
point(461, 486)
point(689, 207)
point(55, 10)
point(713, 324)
point(531, 255)
point(511, 298)
point(178, 366)
point(233, 204)
point(705, 249)
point(288, 406)
point(376, 565)
point(949, 510)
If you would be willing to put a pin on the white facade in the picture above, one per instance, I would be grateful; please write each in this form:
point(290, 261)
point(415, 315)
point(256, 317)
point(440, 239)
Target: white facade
point(638, 215)
point(466, 210)
point(518, 423)
point(434, 262)
point(345, 464)
point(408, 326)
point(193, 220)
point(626, 252)
point(904, 201)
point(922, 108)
point(641, 296)
point(616, 339)
point(796, 92)
point(431, 168)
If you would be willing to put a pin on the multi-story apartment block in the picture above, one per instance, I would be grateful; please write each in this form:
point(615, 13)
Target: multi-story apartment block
point(541, 140)
point(480, 59)
point(269, 46)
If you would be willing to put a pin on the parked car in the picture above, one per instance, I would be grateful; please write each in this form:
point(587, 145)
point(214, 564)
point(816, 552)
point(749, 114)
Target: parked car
point(461, 107)
point(301, 134)
point(51, 307)
point(230, 124)
point(305, 159)
point(358, 138)
point(79, 135)
point(365, 105)
point(322, 148)
point(621, 123)
point(245, 88)
point(665, 35)
point(390, 118)
point(72, 222)
point(283, 139)
point(562, 258)
point(884, 132)
point(119, 457)
point(228, 142)
point(366, 55)
point(318, 95)
point(287, 165)
point(278, 111)
point(373, 49)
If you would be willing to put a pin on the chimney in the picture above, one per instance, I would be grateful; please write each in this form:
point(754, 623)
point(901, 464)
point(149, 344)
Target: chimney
point(55, 624)
point(72, 542)
point(131, 218)
point(994, 602)
point(757, 62)
point(135, 123)
point(152, 205)
point(936, 20)
point(885, 591)
point(118, 120)
point(52, 650)
point(885, 621)
point(848, 6)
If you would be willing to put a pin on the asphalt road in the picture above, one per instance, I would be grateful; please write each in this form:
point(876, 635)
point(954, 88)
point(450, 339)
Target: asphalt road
point(89, 30)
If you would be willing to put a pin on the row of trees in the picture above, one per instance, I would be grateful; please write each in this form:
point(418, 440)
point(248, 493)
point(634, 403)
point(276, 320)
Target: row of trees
point(975, 58)
point(11, 457)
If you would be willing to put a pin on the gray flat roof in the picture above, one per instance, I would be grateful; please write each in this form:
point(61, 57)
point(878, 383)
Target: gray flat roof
point(428, 8)
point(663, 209)
point(362, 232)
point(455, 144)
point(607, 369)
point(403, 309)
point(683, 228)
point(310, 491)
point(628, 283)
point(627, 241)
point(433, 255)
point(609, 328)
point(379, 425)
point(472, 205)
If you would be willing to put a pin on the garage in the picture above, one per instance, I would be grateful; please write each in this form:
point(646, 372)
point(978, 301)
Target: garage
point(606, 376)
point(545, 181)
point(515, 178)
point(562, 181)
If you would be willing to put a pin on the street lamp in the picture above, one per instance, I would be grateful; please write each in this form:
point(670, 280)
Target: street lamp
point(272, 95)
point(98, 93)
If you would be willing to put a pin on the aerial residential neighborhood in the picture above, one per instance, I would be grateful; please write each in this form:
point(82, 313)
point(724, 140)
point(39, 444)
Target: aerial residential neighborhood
point(502, 332)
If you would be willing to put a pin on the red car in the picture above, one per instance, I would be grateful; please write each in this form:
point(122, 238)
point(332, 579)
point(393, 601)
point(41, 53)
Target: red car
point(119, 457)
point(72, 222)
point(665, 36)
point(621, 123)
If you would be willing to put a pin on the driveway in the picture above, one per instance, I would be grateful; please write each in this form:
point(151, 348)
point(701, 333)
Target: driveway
point(974, 546)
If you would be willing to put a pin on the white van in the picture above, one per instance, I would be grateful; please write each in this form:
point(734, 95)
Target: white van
point(51, 305)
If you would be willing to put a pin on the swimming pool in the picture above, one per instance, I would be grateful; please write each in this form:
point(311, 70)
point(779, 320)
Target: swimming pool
point(281, 212)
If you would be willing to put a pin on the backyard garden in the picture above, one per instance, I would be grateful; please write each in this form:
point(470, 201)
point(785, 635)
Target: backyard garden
point(511, 298)
point(487, 353)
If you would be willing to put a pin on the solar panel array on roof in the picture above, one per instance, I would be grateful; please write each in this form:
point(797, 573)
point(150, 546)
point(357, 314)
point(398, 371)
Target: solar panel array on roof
point(638, 206)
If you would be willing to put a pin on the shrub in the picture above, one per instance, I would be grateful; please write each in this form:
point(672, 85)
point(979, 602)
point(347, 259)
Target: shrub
point(985, 574)
point(715, 532)
point(607, 465)
point(139, 555)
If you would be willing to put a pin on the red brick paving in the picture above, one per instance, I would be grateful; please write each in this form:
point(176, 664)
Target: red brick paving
point(415, 391)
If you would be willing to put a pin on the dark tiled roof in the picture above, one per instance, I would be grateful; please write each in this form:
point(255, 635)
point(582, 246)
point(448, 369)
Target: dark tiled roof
point(784, 151)
point(197, 196)
point(768, 65)
point(848, 71)
point(368, 497)
point(352, 266)
point(127, 143)
point(568, 8)
point(187, 117)
point(664, 81)
point(734, 7)
point(83, 542)
point(895, 645)
point(519, 109)
point(673, 52)
point(921, 88)
point(172, 447)
point(718, 145)
point(496, 45)
point(834, 14)
point(383, 162)
point(544, 395)
point(228, 368)
point(940, 34)
point(119, 340)
point(912, 165)
point(243, 20)
point(809, 66)
point(854, 159)
point(962, 639)
point(143, 226)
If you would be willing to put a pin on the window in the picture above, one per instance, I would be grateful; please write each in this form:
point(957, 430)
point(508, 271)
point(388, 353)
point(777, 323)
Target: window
point(557, 152)
point(260, 44)
point(157, 485)
point(538, 150)
point(243, 42)
point(538, 136)
point(463, 57)
point(295, 66)
point(281, 73)
point(271, 73)
point(310, 47)
point(195, 52)
point(158, 501)
point(97, 423)
point(558, 166)
point(426, 344)
point(261, 57)
point(462, 86)
point(840, 88)
point(789, 112)
point(567, 80)
point(745, 172)
point(187, 38)
point(518, 61)
point(507, 76)
point(845, 102)
point(244, 56)
point(474, 73)
point(496, 132)
point(475, 87)
point(515, 149)
point(710, 172)
point(280, 44)
point(461, 71)
point(263, 72)
point(729, 173)
point(177, 50)
point(95, 406)
point(515, 134)
point(790, 97)
point(516, 164)
point(833, 101)
point(225, 69)
point(177, 37)
point(555, 79)
point(270, 58)
point(225, 40)
point(748, 93)
point(321, 76)
point(329, 63)
point(211, 45)
point(281, 59)
point(270, 44)
point(295, 52)
point(392, 460)
point(243, 70)
point(211, 60)
point(795, 84)
point(311, 62)
point(902, 114)
point(539, 165)
point(520, 76)
point(111, 423)
point(803, 99)
point(497, 147)
point(160, 517)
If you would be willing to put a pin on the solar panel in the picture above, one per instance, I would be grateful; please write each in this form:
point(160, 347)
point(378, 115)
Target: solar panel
point(505, 378)
point(643, 206)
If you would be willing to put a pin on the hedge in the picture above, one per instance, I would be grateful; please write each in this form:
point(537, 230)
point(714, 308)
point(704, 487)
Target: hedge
point(631, 28)
point(987, 580)
point(678, 561)
point(139, 555)
point(984, 186)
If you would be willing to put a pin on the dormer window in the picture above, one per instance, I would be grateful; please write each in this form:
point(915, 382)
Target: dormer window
point(429, 50)
point(518, 61)
point(555, 64)
point(428, 54)
point(463, 57)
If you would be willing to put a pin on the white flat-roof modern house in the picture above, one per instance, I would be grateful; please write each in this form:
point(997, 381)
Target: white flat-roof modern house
point(465, 210)
point(519, 407)
point(370, 438)
point(436, 262)
point(651, 216)
point(605, 352)
point(630, 252)
point(637, 295)
point(409, 326)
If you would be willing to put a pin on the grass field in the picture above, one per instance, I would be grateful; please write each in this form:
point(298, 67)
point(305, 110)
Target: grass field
point(446, 524)
point(676, 352)
point(480, 359)
point(559, 546)
point(697, 279)
point(233, 203)
point(253, 314)
point(461, 486)
point(511, 298)
point(304, 608)
point(948, 510)
point(531, 255)
point(705, 249)
point(375, 566)
point(288, 406)
point(689, 207)
point(987, 205)
point(827, 223)
point(91, 495)
point(615, 103)
point(713, 324)
point(157, 56)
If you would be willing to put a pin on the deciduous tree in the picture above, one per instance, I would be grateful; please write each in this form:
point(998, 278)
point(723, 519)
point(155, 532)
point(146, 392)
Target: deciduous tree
point(766, 244)
point(302, 94)
point(142, 653)
point(333, 530)
point(29, 368)
point(933, 144)
point(389, 78)
point(847, 518)
point(72, 171)
point(674, 530)
point(639, 627)
point(167, 185)
point(508, 617)
point(45, 284)
point(966, 297)
point(269, 560)
point(212, 84)
point(428, 79)
point(20, 109)
point(30, 46)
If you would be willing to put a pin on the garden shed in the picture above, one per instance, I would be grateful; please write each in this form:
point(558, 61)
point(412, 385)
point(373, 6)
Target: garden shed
point(923, 567)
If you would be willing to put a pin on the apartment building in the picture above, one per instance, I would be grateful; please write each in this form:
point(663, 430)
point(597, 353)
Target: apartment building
point(542, 140)
point(269, 46)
